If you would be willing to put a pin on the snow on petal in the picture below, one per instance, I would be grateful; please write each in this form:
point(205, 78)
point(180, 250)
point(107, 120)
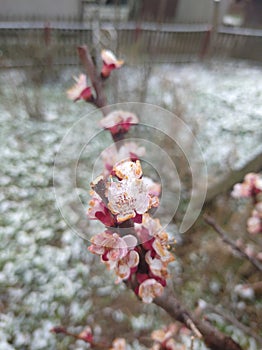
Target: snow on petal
point(126, 198)
point(128, 170)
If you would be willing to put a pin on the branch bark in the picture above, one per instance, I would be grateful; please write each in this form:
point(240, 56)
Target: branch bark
point(87, 62)
point(212, 337)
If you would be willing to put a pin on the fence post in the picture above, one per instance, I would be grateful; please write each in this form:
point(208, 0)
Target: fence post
point(215, 21)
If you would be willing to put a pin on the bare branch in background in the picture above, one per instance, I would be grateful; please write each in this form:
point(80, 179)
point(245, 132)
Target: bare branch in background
point(210, 221)
point(212, 337)
point(234, 321)
point(86, 59)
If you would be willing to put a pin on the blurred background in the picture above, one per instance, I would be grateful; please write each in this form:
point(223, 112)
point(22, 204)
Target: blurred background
point(200, 60)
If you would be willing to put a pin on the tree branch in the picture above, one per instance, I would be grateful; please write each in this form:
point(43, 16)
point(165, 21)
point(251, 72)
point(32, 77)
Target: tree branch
point(212, 337)
point(203, 330)
point(210, 221)
point(86, 59)
point(234, 321)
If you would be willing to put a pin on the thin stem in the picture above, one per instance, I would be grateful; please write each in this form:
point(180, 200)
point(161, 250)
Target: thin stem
point(234, 321)
point(100, 100)
point(210, 221)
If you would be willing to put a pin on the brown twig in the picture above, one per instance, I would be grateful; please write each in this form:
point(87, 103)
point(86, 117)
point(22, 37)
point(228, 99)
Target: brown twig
point(212, 337)
point(210, 221)
point(234, 321)
point(100, 100)
point(62, 330)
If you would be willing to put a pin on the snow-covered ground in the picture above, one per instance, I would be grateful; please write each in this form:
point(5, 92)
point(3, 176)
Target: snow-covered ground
point(47, 277)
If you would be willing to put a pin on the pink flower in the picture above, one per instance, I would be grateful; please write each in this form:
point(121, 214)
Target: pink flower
point(126, 265)
point(110, 246)
point(154, 187)
point(127, 198)
point(86, 335)
point(240, 191)
point(110, 62)
point(164, 338)
point(119, 122)
point(131, 150)
point(80, 90)
point(251, 186)
point(161, 249)
point(156, 265)
point(98, 211)
point(150, 228)
point(128, 151)
point(149, 289)
point(119, 344)
point(254, 223)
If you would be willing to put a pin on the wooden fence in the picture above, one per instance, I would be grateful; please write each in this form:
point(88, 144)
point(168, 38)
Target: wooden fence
point(29, 44)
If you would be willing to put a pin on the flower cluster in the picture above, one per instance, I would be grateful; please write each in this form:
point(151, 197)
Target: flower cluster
point(134, 244)
point(251, 187)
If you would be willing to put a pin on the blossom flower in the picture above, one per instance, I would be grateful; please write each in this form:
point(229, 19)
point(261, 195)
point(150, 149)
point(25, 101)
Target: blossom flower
point(110, 246)
point(86, 335)
point(128, 151)
point(244, 291)
point(156, 265)
point(254, 223)
point(119, 122)
point(251, 186)
point(154, 187)
point(80, 90)
point(99, 211)
point(110, 62)
point(164, 339)
point(150, 228)
point(161, 249)
point(127, 265)
point(119, 344)
point(127, 198)
point(170, 344)
point(128, 170)
point(149, 289)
